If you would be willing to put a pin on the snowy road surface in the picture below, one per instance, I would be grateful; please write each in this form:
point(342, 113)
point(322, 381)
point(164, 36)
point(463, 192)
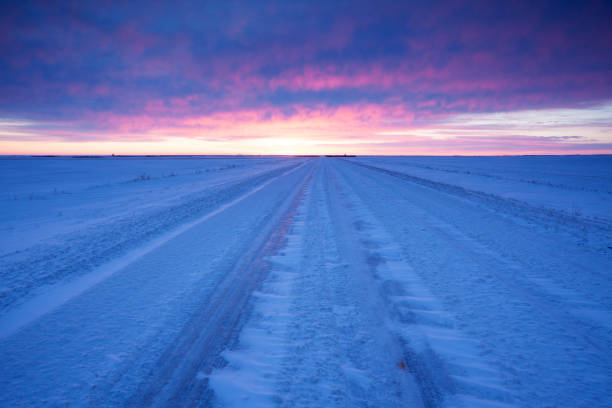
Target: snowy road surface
point(311, 282)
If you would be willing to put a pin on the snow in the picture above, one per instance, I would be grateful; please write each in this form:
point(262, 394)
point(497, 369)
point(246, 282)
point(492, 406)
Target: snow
point(248, 379)
point(42, 197)
point(294, 282)
point(578, 185)
point(63, 236)
point(57, 294)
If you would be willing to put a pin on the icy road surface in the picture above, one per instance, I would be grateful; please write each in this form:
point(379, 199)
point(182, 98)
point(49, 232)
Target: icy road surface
point(306, 282)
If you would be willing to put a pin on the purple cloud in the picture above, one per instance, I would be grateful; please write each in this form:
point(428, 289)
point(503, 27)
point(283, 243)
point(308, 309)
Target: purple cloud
point(81, 64)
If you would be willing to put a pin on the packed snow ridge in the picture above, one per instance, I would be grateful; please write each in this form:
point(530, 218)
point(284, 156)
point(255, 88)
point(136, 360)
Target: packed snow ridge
point(306, 282)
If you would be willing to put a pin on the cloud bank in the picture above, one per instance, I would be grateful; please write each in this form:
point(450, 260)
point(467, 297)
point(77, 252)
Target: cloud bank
point(306, 77)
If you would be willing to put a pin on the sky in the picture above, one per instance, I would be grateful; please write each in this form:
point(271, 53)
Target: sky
point(312, 77)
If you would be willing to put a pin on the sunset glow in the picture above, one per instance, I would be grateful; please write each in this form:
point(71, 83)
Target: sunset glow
point(312, 78)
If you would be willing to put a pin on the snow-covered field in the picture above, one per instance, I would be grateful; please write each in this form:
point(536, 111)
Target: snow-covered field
point(306, 282)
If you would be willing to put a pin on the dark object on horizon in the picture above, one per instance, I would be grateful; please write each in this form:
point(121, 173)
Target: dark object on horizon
point(340, 155)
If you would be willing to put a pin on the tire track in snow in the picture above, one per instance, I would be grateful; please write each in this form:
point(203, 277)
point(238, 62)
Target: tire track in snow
point(498, 276)
point(180, 378)
point(329, 344)
point(61, 292)
point(254, 362)
point(552, 297)
point(542, 215)
point(104, 343)
point(447, 364)
point(26, 274)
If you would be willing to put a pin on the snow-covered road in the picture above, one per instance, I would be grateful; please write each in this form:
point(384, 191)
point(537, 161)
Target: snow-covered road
point(319, 283)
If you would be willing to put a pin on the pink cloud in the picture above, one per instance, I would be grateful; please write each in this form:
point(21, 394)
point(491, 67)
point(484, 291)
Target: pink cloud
point(358, 128)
